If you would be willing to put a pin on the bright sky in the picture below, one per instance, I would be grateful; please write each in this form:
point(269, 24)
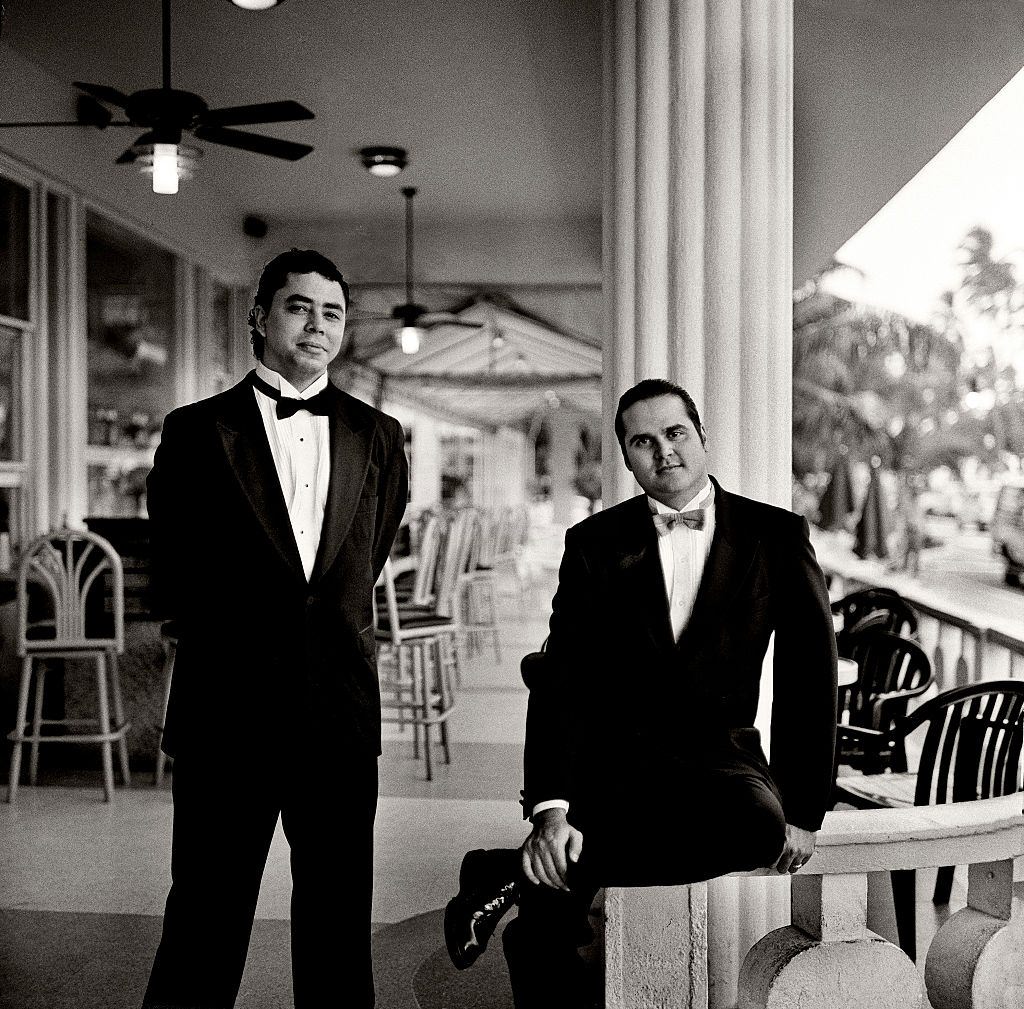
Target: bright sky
point(908, 250)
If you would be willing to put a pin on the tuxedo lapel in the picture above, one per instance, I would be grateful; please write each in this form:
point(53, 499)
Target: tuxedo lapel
point(245, 443)
point(643, 582)
point(732, 553)
point(350, 457)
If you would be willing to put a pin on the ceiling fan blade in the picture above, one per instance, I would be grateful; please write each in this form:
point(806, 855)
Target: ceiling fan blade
point(430, 319)
point(104, 93)
point(129, 157)
point(257, 143)
point(264, 112)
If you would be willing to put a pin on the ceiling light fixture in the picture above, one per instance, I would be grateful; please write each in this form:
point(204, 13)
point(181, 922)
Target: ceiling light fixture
point(167, 164)
point(384, 162)
point(256, 5)
point(409, 339)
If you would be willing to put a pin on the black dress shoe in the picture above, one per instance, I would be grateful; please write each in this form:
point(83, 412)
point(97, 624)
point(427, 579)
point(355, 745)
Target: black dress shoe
point(488, 887)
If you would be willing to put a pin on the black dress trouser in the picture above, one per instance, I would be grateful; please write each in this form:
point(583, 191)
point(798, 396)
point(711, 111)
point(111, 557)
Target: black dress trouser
point(732, 822)
point(225, 813)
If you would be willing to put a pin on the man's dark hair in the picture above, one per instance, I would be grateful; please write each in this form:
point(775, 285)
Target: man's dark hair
point(649, 388)
point(275, 276)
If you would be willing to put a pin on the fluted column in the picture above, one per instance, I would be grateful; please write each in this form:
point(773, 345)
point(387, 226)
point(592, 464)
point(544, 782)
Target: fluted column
point(698, 280)
point(697, 241)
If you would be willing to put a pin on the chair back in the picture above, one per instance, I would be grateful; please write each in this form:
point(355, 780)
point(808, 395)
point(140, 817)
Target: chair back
point(873, 609)
point(888, 664)
point(69, 575)
point(431, 541)
point(453, 563)
point(972, 746)
point(387, 582)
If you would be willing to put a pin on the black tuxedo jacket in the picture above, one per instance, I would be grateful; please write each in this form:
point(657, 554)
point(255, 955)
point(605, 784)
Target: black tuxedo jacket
point(621, 710)
point(263, 653)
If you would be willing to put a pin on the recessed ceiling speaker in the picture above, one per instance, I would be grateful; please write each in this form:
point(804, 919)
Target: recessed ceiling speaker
point(254, 227)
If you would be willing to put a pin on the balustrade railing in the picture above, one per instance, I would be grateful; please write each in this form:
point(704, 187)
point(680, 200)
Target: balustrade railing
point(659, 944)
point(963, 647)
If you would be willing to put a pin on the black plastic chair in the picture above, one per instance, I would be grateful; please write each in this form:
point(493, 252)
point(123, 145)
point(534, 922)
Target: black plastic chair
point(971, 750)
point(873, 609)
point(892, 671)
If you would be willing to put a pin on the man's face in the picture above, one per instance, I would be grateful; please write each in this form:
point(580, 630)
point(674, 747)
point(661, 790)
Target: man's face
point(664, 451)
point(304, 327)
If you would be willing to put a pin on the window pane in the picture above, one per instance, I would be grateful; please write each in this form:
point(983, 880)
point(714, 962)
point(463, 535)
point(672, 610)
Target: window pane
point(14, 249)
point(10, 395)
point(220, 335)
point(130, 285)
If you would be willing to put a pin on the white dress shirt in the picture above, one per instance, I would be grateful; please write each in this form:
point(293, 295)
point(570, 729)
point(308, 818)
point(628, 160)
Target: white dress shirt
point(301, 447)
point(684, 554)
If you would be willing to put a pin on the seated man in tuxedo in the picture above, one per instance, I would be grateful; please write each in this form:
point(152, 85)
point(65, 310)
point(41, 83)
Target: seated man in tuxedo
point(643, 766)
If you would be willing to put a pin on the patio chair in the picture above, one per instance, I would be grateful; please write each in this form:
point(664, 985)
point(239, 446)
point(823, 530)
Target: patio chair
point(971, 750)
point(892, 671)
point(77, 595)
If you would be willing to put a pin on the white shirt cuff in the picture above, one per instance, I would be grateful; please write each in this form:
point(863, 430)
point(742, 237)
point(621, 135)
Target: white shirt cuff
point(549, 804)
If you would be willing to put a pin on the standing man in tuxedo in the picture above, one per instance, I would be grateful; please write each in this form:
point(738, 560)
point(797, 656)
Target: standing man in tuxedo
point(273, 508)
point(642, 765)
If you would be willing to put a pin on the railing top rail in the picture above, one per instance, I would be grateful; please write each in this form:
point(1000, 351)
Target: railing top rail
point(917, 837)
point(1007, 641)
point(852, 574)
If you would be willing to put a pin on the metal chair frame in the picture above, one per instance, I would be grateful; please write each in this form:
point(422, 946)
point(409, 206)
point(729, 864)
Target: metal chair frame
point(67, 566)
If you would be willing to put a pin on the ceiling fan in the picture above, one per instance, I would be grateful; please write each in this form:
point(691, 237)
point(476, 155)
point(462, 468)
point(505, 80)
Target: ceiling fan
point(165, 113)
point(413, 320)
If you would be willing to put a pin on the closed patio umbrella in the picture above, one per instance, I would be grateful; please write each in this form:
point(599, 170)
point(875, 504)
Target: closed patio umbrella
point(872, 526)
point(837, 502)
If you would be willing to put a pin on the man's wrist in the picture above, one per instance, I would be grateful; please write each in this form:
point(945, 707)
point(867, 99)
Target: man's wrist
point(541, 807)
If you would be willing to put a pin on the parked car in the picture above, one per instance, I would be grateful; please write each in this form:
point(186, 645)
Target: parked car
point(1008, 529)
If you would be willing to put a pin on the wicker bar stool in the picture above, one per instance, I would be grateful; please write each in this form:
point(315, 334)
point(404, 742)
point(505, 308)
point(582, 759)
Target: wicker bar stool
point(71, 571)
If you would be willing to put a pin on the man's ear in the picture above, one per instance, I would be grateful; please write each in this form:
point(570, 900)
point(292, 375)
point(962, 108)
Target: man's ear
point(703, 436)
point(259, 319)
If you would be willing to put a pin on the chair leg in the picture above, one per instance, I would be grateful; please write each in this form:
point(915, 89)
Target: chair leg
point(170, 650)
point(424, 711)
point(492, 615)
point(19, 727)
point(104, 724)
point(904, 895)
point(943, 884)
point(37, 725)
point(122, 743)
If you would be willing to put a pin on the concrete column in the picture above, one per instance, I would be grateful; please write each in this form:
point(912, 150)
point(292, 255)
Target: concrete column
point(697, 240)
point(698, 278)
point(564, 427)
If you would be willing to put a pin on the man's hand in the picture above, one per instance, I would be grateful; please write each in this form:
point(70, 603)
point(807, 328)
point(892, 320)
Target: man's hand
point(547, 852)
point(797, 850)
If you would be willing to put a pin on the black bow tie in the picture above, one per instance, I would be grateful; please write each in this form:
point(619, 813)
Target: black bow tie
point(287, 406)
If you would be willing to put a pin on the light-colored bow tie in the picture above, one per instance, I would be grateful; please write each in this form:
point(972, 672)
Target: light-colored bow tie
point(664, 522)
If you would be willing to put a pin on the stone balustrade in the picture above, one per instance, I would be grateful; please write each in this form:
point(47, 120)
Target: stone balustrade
point(658, 945)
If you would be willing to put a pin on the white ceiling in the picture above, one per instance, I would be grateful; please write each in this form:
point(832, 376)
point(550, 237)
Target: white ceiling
point(500, 108)
point(498, 104)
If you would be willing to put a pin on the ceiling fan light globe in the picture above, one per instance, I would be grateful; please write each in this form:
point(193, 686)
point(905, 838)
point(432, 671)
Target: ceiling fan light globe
point(165, 169)
point(256, 5)
point(383, 162)
point(409, 338)
point(384, 169)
